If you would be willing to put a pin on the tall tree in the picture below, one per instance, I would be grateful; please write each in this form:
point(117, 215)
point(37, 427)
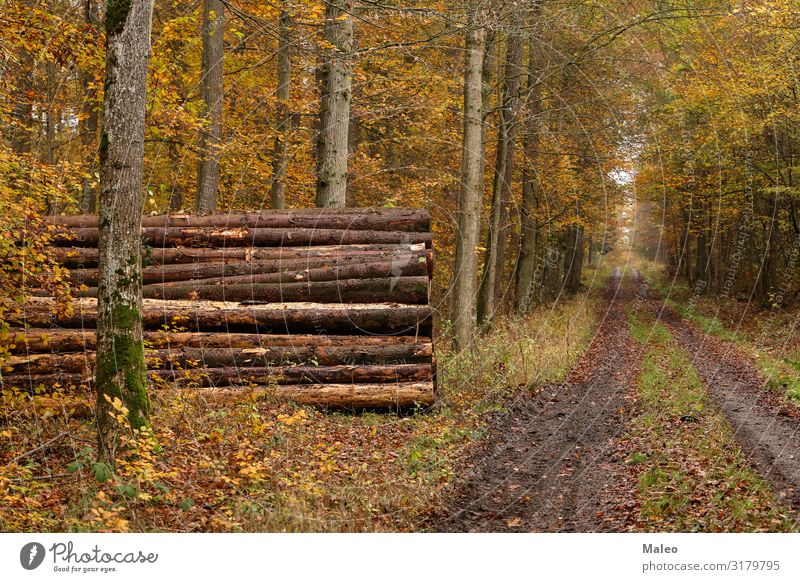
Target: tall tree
point(529, 227)
point(91, 116)
point(121, 372)
point(211, 90)
point(470, 198)
point(491, 286)
point(334, 116)
point(278, 189)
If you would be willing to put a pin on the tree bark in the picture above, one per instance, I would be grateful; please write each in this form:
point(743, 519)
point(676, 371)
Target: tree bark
point(281, 154)
point(211, 91)
point(468, 219)
point(120, 346)
point(494, 263)
point(334, 117)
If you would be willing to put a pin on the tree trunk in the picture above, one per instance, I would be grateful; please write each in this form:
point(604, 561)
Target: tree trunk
point(334, 117)
point(491, 287)
point(212, 94)
point(470, 197)
point(91, 115)
point(20, 134)
point(120, 346)
point(529, 227)
point(278, 189)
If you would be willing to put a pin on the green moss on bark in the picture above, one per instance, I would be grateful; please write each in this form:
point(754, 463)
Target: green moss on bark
point(126, 363)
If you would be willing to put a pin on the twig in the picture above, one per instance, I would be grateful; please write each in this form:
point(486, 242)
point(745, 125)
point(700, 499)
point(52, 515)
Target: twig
point(44, 445)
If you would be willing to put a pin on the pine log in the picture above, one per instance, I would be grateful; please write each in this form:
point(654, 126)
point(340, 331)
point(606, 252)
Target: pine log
point(40, 340)
point(317, 318)
point(247, 237)
point(341, 396)
point(397, 219)
point(84, 257)
point(409, 290)
point(408, 263)
point(233, 376)
point(39, 364)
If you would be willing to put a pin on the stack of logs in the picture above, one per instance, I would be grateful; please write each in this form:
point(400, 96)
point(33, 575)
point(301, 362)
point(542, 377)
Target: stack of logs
point(325, 307)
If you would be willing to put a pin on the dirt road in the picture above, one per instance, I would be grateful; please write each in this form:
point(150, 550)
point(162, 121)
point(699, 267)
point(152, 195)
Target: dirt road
point(550, 462)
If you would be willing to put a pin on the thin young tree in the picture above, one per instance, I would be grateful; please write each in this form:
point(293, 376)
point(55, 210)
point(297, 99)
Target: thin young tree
point(470, 198)
point(121, 375)
point(334, 116)
point(211, 90)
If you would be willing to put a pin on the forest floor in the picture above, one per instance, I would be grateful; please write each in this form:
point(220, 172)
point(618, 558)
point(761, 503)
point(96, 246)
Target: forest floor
point(635, 406)
point(661, 426)
point(250, 463)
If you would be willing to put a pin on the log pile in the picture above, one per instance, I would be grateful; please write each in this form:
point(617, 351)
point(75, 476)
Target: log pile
point(325, 307)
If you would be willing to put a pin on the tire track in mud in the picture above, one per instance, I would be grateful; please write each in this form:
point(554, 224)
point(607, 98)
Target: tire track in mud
point(766, 427)
point(551, 462)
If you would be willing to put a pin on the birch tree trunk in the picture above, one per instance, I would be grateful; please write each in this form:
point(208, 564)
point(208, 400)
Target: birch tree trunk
point(468, 218)
point(491, 286)
point(334, 117)
point(278, 189)
point(121, 370)
point(211, 91)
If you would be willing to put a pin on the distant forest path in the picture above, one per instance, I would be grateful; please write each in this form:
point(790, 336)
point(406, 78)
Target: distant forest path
point(555, 461)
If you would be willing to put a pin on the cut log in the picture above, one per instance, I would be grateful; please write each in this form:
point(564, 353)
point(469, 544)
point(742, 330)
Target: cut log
point(39, 340)
point(233, 376)
point(409, 290)
point(81, 257)
point(398, 219)
point(38, 364)
point(357, 396)
point(404, 263)
point(247, 237)
point(344, 396)
point(318, 318)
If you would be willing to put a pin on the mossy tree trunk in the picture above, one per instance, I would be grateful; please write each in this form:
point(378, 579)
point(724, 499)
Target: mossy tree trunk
point(121, 371)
